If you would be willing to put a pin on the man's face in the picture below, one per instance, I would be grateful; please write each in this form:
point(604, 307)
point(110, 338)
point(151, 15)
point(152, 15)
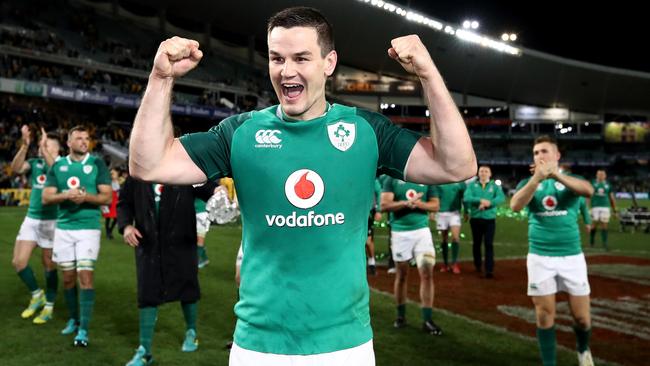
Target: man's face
point(484, 174)
point(298, 71)
point(545, 151)
point(78, 142)
point(52, 147)
point(601, 175)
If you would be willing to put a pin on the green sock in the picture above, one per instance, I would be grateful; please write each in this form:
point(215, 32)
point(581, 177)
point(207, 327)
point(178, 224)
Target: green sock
point(582, 338)
point(445, 252)
point(189, 312)
point(86, 303)
point(51, 282)
point(148, 317)
point(603, 236)
point(70, 295)
point(547, 345)
point(27, 276)
point(401, 311)
point(427, 314)
point(201, 252)
point(592, 239)
point(455, 248)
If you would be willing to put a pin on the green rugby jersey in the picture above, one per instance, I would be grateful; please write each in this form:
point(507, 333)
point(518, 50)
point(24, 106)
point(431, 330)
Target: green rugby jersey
point(601, 194)
point(475, 192)
point(408, 219)
point(37, 177)
point(88, 173)
point(199, 205)
point(584, 211)
point(305, 189)
point(553, 219)
point(450, 195)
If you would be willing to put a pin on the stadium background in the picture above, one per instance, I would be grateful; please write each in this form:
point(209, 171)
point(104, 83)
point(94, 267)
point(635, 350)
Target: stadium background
point(72, 62)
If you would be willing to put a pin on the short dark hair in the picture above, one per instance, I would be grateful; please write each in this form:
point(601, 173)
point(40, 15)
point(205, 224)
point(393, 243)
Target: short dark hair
point(545, 138)
point(303, 16)
point(54, 136)
point(79, 128)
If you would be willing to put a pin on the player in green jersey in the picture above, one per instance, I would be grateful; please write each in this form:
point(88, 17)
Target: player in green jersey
point(37, 228)
point(202, 228)
point(375, 215)
point(601, 202)
point(450, 200)
point(79, 184)
point(555, 260)
point(409, 205)
point(304, 172)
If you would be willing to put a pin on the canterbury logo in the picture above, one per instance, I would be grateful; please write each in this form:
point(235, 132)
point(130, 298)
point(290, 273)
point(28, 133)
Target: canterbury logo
point(268, 137)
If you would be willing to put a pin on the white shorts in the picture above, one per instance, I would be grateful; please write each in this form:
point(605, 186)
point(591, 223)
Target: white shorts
point(202, 224)
point(362, 355)
point(39, 231)
point(240, 257)
point(75, 245)
point(407, 245)
point(600, 214)
point(445, 220)
point(549, 275)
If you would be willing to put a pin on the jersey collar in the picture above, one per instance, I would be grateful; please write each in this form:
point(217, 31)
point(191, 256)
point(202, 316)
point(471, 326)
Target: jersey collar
point(83, 161)
point(281, 115)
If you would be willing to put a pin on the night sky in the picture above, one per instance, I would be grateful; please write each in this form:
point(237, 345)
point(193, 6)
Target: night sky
point(615, 34)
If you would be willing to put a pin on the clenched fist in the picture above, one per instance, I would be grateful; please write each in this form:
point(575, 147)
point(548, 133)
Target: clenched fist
point(175, 57)
point(412, 55)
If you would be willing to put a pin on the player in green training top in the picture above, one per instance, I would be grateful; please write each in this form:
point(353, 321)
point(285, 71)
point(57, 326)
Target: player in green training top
point(555, 260)
point(304, 172)
point(202, 228)
point(79, 184)
point(601, 201)
point(38, 226)
point(450, 199)
point(409, 205)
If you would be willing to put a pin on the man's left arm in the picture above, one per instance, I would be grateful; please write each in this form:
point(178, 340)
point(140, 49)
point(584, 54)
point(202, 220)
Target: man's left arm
point(104, 194)
point(612, 201)
point(447, 154)
point(579, 186)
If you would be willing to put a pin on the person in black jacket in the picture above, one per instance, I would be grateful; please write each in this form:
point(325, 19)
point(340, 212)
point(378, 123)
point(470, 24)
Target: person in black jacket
point(159, 222)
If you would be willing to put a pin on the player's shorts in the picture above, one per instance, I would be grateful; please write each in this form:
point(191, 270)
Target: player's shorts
point(39, 231)
point(240, 256)
point(600, 214)
point(407, 245)
point(371, 223)
point(202, 224)
point(549, 275)
point(445, 220)
point(75, 245)
point(362, 355)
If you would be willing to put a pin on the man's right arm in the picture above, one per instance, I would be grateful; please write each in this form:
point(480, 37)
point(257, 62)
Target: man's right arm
point(18, 164)
point(388, 203)
point(155, 155)
point(51, 197)
point(524, 195)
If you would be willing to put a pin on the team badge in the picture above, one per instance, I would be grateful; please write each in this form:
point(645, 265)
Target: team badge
point(73, 182)
point(88, 169)
point(549, 203)
point(342, 134)
point(559, 186)
point(304, 188)
point(157, 190)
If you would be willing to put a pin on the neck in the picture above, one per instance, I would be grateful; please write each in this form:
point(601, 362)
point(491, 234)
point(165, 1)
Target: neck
point(77, 157)
point(316, 110)
point(484, 181)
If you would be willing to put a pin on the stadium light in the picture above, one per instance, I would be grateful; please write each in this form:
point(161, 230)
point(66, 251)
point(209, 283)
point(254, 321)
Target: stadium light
point(513, 37)
point(464, 33)
point(426, 113)
point(505, 37)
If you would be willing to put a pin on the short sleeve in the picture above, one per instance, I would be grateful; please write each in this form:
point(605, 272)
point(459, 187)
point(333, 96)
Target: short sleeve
point(103, 175)
point(395, 144)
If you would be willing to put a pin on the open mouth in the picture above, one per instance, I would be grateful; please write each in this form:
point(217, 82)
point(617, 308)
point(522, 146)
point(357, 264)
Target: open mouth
point(292, 91)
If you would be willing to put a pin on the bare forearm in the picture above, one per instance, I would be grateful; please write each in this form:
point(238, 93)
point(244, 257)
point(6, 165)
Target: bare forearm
point(99, 199)
point(152, 133)
point(428, 206)
point(53, 198)
point(451, 141)
point(524, 195)
point(19, 160)
point(393, 206)
point(577, 185)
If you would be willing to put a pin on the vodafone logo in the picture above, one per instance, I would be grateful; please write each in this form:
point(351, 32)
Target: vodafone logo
point(304, 188)
point(549, 202)
point(411, 193)
point(40, 179)
point(73, 182)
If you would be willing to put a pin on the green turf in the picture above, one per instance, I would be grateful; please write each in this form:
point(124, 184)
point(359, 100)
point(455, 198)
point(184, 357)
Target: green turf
point(114, 333)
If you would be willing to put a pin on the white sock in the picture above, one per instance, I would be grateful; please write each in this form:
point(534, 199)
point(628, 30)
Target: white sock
point(371, 261)
point(37, 293)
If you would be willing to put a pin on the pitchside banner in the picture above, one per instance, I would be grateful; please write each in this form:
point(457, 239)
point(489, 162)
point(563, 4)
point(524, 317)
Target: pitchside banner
point(111, 99)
